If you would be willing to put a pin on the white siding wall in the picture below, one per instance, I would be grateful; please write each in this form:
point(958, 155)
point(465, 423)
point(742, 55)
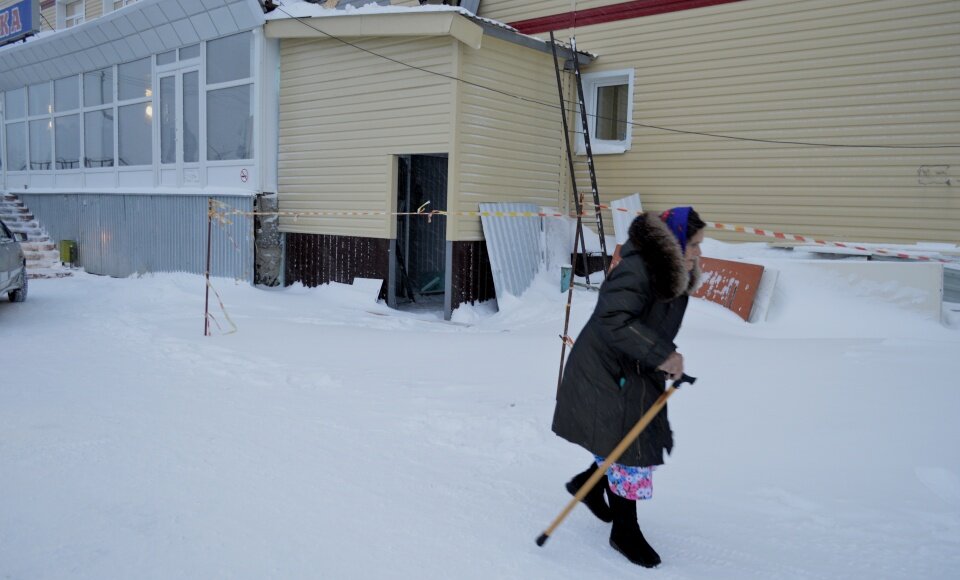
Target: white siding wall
point(833, 71)
point(344, 113)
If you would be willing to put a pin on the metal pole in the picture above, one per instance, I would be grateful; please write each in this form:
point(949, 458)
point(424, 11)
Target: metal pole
point(206, 307)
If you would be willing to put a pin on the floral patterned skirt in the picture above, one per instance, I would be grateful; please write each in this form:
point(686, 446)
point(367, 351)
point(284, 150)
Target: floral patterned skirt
point(629, 482)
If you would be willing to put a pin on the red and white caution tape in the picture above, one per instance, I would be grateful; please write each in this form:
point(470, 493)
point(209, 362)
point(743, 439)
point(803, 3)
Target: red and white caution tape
point(422, 212)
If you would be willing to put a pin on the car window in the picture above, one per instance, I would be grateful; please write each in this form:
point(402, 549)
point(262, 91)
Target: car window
point(5, 233)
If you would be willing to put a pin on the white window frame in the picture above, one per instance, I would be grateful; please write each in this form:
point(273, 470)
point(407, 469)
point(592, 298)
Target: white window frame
point(108, 5)
point(84, 109)
point(202, 168)
point(591, 82)
point(48, 117)
point(78, 82)
point(63, 21)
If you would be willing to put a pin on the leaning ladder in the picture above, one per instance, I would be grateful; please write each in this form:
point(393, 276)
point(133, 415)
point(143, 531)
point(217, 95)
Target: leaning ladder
point(578, 238)
point(591, 168)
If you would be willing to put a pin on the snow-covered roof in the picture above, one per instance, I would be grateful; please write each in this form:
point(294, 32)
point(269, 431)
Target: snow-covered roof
point(301, 9)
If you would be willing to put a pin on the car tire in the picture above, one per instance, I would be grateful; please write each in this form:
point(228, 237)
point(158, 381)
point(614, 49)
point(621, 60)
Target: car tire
point(20, 294)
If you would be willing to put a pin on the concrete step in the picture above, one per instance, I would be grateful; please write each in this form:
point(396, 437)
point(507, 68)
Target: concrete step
point(38, 246)
point(42, 256)
point(17, 219)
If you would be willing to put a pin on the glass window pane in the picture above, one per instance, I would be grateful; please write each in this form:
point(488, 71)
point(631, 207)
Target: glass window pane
point(39, 99)
point(167, 57)
point(228, 58)
point(66, 94)
point(67, 140)
point(98, 138)
point(98, 87)
point(612, 113)
point(188, 52)
point(40, 153)
point(191, 117)
point(16, 104)
point(16, 147)
point(230, 123)
point(135, 145)
point(168, 120)
point(133, 80)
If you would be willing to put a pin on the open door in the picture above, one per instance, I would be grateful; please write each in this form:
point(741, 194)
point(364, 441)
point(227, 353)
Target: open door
point(418, 269)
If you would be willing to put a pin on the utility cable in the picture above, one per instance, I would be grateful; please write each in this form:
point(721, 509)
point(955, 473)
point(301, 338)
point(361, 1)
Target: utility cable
point(303, 21)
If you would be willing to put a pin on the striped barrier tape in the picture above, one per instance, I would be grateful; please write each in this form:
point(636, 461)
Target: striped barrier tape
point(422, 212)
point(798, 238)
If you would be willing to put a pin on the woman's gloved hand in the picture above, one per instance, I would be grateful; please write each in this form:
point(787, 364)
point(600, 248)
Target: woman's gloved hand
point(673, 366)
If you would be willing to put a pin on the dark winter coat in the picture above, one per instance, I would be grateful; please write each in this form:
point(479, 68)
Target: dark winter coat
point(630, 333)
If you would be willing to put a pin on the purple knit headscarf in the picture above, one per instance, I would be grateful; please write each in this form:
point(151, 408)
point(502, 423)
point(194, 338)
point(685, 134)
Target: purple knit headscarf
point(676, 220)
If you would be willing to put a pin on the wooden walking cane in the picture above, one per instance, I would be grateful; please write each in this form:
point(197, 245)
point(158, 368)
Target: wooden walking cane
point(615, 454)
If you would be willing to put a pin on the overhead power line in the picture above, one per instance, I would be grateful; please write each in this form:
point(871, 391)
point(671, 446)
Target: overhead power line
point(305, 22)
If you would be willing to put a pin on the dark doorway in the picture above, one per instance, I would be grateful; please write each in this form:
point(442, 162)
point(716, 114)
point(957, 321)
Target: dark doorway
point(418, 273)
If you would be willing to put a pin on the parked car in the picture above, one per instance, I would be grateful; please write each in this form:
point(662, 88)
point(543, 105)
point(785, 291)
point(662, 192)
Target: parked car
point(13, 264)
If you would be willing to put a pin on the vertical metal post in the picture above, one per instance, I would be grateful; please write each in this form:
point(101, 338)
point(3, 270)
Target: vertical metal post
point(206, 307)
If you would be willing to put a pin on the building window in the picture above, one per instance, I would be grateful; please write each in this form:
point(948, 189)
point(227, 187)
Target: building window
point(40, 127)
point(135, 113)
point(98, 118)
point(70, 13)
point(608, 97)
point(66, 122)
point(15, 107)
point(111, 5)
point(230, 98)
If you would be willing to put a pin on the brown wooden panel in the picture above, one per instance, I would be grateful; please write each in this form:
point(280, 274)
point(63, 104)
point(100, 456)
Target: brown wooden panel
point(315, 259)
point(472, 276)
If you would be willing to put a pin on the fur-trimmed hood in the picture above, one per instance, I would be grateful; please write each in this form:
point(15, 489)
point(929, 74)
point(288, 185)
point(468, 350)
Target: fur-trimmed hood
point(660, 251)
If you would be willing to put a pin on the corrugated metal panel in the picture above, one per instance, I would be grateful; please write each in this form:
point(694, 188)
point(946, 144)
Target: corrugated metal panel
point(513, 244)
point(951, 284)
point(344, 113)
point(829, 71)
point(120, 235)
point(508, 149)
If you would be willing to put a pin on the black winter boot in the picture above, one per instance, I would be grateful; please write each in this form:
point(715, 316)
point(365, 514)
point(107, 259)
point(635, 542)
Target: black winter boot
point(625, 535)
point(594, 499)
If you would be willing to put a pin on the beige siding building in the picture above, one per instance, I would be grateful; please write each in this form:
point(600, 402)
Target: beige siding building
point(861, 101)
point(374, 120)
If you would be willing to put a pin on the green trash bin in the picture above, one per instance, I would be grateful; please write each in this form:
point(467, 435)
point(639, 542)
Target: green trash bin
point(68, 252)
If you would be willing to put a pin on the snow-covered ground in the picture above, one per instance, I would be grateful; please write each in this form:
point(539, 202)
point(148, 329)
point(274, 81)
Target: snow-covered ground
point(331, 437)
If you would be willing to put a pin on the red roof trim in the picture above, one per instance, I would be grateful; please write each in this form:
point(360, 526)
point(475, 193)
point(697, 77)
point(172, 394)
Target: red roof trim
point(47, 4)
point(621, 11)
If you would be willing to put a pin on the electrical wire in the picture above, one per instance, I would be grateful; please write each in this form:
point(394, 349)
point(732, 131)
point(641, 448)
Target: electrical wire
point(303, 21)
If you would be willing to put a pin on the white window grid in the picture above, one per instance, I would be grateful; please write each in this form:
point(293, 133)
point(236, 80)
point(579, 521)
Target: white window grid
point(72, 13)
point(47, 116)
point(198, 61)
point(591, 82)
point(57, 114)
point(111, 5)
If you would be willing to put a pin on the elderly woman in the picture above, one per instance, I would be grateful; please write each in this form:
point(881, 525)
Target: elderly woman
point(619, 366)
